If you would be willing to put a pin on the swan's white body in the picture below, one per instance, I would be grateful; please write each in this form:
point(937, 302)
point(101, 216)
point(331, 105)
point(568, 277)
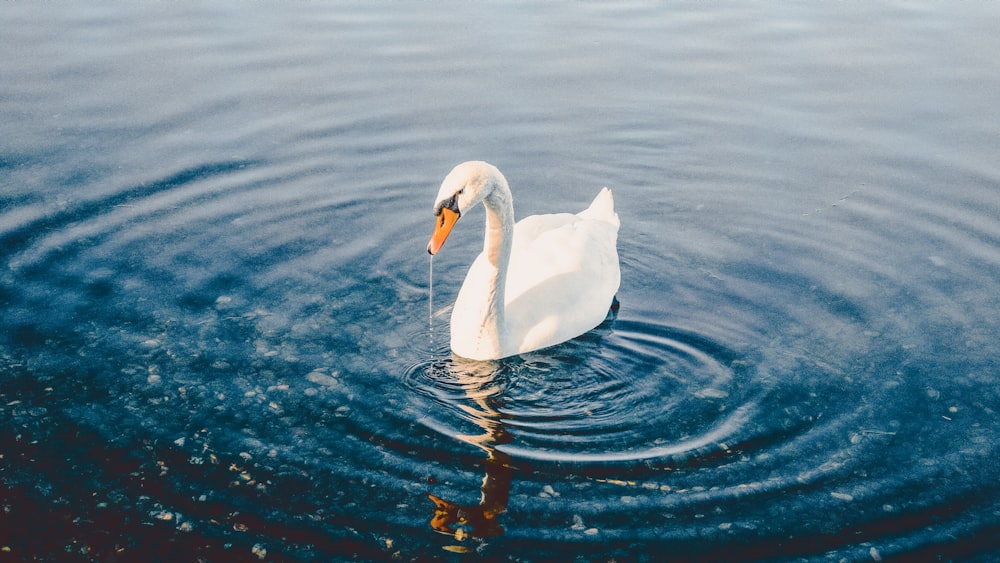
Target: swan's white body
point(545, 280)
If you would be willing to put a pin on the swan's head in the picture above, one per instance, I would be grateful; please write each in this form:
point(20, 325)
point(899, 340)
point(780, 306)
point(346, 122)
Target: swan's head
point(462, 189)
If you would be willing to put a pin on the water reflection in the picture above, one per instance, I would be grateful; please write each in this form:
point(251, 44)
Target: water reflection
point(484, 392)
point(478, 393)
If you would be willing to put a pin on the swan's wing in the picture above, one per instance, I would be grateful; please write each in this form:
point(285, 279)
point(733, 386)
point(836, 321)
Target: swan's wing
point(561, 279)
point(563, 275)
point(543, 246)
point(547, 245)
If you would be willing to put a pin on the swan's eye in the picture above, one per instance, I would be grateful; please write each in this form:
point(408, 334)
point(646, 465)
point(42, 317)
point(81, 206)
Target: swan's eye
point(460, 192)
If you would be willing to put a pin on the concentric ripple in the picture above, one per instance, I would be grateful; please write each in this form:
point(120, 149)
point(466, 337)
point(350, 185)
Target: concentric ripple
point(628, 392)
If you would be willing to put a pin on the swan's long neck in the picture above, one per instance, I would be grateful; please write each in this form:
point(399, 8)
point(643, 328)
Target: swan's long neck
point(497, 245)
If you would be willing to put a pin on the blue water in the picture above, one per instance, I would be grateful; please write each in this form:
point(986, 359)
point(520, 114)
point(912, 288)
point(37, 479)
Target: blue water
point(216, 333)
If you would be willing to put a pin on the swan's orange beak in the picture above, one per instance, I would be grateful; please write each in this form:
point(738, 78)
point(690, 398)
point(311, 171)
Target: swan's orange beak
point(442, 228)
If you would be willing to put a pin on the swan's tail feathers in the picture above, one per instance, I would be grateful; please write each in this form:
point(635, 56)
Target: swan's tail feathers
point(602, 208)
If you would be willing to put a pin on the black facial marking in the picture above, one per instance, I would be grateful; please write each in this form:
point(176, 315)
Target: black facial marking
point(450, 203)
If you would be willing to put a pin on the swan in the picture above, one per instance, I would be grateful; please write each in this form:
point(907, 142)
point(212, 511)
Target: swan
point(543, 281)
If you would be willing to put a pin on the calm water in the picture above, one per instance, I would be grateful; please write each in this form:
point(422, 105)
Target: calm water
point(215, 337)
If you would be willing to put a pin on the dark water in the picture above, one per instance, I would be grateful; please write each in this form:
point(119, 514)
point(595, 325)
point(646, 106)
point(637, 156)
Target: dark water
point(215, 338)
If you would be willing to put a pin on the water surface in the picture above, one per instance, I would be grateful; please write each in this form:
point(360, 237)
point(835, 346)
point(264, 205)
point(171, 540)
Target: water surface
point(214, 332)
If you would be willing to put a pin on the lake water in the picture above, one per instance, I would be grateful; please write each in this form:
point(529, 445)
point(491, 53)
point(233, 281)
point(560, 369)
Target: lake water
point(216, 338)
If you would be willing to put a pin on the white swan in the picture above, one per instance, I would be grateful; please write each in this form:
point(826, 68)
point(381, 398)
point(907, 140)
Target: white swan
point(543, 281)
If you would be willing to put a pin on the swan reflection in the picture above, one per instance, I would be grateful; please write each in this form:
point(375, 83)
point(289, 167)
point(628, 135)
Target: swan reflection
point(481, 391)
point(484, 393)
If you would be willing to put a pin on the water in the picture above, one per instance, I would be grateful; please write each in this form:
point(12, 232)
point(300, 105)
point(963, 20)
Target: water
point(214, 285)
